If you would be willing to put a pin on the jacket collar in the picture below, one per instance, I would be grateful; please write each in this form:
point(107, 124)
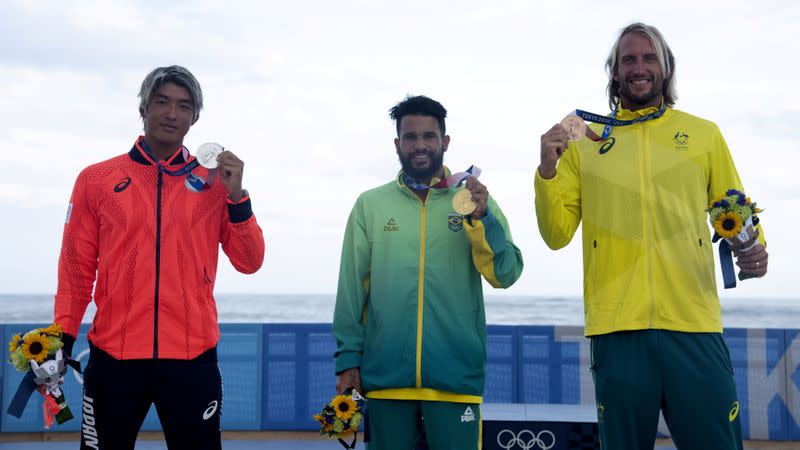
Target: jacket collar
point(402, 185)
point(180, 156)
point(626, 114)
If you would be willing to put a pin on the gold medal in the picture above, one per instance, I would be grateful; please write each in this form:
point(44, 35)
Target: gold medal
point(462, 202)
point(575, 127)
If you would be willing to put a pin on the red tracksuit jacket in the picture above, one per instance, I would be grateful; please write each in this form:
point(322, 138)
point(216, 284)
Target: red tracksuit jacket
point(152, 245)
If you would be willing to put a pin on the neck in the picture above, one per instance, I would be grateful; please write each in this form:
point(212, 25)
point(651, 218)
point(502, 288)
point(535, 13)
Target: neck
point(655, 103)
point(427, 181)
point(160, 150)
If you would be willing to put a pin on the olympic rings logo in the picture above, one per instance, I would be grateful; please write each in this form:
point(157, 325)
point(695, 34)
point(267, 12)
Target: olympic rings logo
point(526, 440)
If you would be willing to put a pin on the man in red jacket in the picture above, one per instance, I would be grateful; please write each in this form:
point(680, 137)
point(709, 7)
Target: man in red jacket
point(145, 228)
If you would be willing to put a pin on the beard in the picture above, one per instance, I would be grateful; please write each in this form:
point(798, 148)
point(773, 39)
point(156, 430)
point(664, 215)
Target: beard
point(437, 159)
point(641, 100)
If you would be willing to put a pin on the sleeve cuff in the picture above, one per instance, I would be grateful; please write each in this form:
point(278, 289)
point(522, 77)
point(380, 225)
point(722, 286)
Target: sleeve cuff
point(488, 220)
point(347, 360)
point(69, 342)
point(493, 232)
point(240, 211)
point(539, 179)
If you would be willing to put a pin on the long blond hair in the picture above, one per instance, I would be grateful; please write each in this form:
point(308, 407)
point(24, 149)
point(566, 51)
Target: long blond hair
point(665, 59)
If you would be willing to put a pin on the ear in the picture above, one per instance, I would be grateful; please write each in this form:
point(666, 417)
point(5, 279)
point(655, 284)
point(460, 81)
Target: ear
point(397, 145)
point(141, 113)
point(445, 142)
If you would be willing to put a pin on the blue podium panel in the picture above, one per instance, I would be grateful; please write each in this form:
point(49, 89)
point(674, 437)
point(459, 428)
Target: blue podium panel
point(239, 361)
point(535, 345)
point(321, 370)
point(759, 372)
point(277, 376)
point(792, 356)
point(298, 375)
point(550, 368)
point(239, 353)
point(5, 356)
point(501, 365)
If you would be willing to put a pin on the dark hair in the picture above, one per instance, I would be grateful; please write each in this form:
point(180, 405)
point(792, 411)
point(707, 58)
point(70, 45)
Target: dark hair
point(419, 105)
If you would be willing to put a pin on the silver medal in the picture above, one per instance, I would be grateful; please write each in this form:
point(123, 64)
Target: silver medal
point(207, 154)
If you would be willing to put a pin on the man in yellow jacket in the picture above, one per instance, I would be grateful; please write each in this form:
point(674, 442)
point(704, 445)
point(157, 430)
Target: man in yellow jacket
point(651, 306)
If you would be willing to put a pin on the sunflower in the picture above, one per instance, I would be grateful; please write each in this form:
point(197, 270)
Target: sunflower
point(35, 346)
point(52, 330)
point(344, 406)
point(12, 345)
point(728, 224)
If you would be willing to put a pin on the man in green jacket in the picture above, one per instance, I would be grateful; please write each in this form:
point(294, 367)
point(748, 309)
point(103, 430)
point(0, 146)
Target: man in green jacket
point(652, 312)
point(409, 323)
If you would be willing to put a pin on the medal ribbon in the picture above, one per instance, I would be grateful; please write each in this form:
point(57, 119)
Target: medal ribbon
point(451, 180)
point(193, 182)
point(612, 121)
point(173, 173)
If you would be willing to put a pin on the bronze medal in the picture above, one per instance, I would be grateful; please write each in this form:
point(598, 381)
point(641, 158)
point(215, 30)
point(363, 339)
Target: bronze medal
point(575, 127)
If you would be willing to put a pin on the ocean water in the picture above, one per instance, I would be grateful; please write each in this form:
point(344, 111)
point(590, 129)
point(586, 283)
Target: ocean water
point(500, 310)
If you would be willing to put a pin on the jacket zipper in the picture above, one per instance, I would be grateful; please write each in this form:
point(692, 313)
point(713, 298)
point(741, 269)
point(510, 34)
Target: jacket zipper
point(158, 265)
point(420, 290)
point(649, 219)
point(420, 284)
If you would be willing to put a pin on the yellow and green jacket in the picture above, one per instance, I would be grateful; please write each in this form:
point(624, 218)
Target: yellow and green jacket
point(641, 194)
point(409, 306)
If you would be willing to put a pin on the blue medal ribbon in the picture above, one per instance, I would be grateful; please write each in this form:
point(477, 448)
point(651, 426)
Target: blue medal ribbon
point(173, 173)
point(23, 394)
point(447, 181)
point(726, 265)
point(194, 183)
point(612, 121)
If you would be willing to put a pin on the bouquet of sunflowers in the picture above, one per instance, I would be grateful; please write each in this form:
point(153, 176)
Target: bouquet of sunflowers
point(342, 416)
point(734, 218)
point(39, 354)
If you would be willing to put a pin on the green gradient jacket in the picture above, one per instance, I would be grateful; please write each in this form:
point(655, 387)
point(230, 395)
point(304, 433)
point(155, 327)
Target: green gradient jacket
point(409, 307)
point(648, 261)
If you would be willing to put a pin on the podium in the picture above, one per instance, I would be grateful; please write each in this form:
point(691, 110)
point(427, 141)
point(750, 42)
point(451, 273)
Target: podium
point(515, 426)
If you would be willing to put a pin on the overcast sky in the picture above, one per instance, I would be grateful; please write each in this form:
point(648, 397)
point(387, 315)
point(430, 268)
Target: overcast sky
point(300, 91)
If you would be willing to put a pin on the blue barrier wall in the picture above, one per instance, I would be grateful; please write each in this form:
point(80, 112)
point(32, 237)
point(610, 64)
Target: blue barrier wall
point(276, 376)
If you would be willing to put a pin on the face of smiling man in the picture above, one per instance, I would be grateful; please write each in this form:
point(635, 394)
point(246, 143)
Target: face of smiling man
point(421, 146)
point(167, 119)
point(640, 76)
